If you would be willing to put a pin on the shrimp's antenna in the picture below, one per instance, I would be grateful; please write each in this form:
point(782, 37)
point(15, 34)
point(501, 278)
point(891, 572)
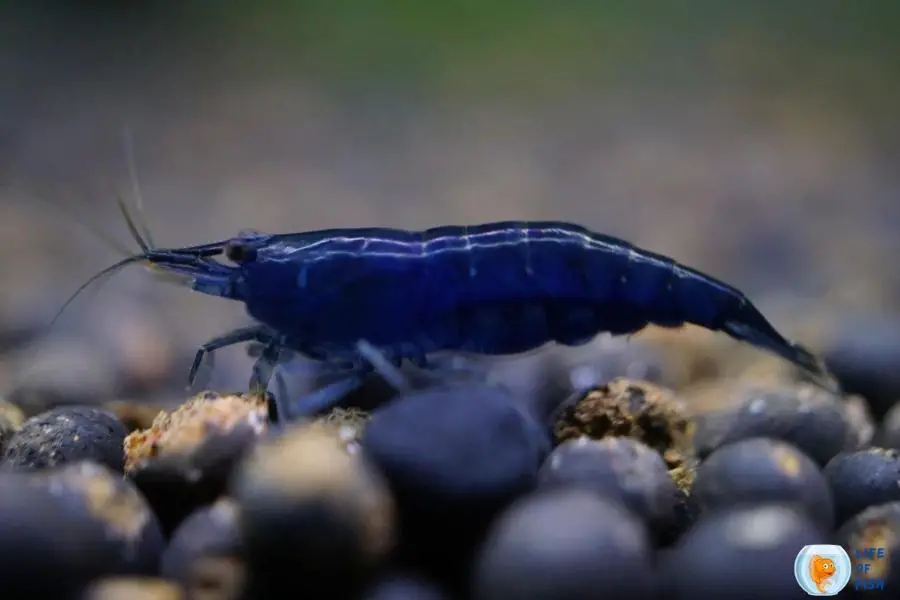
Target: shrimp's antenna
point(141, 231)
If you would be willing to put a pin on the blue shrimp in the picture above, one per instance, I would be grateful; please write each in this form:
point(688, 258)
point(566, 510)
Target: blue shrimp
point(371, 298)
point(368, 299)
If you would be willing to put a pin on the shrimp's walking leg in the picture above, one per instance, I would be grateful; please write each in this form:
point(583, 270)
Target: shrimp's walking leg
point(430, 371)
point(285, 409)
point(253, 333)
point(454, 368)
point(327, 397)
point(264, 369)
point(383, 366)
point(372, 360)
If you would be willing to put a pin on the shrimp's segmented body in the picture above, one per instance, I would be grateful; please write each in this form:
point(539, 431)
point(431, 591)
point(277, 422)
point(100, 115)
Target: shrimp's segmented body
point(356, 296)
point(501, 288)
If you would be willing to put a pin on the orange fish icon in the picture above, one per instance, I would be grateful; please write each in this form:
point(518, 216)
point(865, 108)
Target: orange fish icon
point(821, 570)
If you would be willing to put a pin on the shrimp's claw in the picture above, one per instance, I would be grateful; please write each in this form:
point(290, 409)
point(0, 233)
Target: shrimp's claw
point(812, 365)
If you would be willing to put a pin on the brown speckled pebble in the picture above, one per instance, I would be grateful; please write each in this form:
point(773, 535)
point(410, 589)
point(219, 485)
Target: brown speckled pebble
point(184, 460)
point(312, 515)
point(11, 420)
point(648, 413)
point(133, 588)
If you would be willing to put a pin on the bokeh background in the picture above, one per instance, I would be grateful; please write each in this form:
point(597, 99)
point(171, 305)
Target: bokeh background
point(755, 140)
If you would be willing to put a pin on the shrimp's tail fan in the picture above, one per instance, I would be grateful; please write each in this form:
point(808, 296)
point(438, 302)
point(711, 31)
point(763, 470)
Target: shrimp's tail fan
point(812, 365)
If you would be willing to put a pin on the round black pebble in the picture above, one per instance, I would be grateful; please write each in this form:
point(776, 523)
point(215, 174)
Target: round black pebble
point(710, 428)
point(132, 540)
point(61, 530)
point(203, 542)
point(763, 470)
point(454, 457)
point(65, 435)
point(859, 416)
point(863, 353)
point(872, 539)
point(622, 470)
point(43, 549)
point(888, 434)
point(862, 479)
point(403, 586)
point(809, 418)
point(569, 544)
point(312, 517)
point(744, 552)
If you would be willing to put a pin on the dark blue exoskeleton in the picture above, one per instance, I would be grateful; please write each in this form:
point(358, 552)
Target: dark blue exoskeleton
point(364, 299)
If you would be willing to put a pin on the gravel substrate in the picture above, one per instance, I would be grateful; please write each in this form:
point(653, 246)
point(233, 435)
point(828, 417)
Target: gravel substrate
point(706, 484)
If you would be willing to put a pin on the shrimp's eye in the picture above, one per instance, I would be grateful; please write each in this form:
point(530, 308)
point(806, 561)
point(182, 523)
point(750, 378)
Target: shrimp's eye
point(238, 252)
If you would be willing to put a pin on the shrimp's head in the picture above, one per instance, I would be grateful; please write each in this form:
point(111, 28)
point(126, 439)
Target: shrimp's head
point(197, 267)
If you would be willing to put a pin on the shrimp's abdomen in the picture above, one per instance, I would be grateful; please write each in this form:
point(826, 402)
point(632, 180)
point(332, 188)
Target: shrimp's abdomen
point(506, 288)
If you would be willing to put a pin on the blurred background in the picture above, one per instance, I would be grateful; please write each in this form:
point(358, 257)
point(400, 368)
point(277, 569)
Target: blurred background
point(757, 141)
